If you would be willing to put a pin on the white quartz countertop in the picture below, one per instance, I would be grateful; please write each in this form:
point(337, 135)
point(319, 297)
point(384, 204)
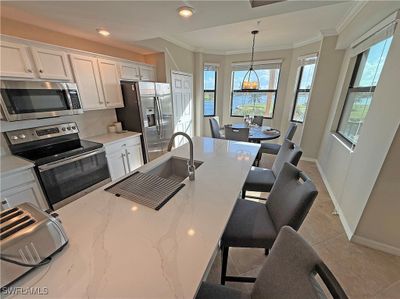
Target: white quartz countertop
point(10, 164)
point(113, 137)
point(120, 249)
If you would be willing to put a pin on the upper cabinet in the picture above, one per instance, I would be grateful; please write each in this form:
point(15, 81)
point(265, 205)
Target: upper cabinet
point(15, 61)
point(147, 73)
point(87, 77)
point(129, 71)
point(136, 72)
point(51, 64)
point(98, 77)
point(111, 83)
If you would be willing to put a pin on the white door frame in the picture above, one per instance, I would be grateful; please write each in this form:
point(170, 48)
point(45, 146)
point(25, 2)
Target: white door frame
point(173, 98)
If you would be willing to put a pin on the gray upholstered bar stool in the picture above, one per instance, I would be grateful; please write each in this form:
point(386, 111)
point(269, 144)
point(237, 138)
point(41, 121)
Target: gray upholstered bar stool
point(289, 272)
point(262, 179)
point(256, 225)
point(215, 128)
point(273, 148)
point(237, 134)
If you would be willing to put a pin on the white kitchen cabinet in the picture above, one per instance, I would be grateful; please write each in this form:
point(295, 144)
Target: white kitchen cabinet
point(110, 82)
point(134, 156)
point(20, 187)
point(147, 73)
point(87, 77)
point(117, 164)
point(51, 64)
point(15, 61)
point(129, 71)
point(124, 156)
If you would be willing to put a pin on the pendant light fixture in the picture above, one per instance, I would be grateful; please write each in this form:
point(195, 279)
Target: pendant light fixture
point(250, 80)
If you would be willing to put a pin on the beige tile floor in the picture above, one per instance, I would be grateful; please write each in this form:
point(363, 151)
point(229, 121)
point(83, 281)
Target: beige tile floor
point(363, 272)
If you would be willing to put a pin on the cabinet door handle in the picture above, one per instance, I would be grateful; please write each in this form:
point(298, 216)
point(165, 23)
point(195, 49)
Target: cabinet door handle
point(123, 162)
point(40, 71)
point(29, 70)
point(127, 158)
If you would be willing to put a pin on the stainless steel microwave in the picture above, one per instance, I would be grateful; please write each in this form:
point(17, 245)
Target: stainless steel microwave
point(21, 100)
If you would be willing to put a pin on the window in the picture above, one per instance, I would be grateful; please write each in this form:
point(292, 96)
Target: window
point(210, 87)
point(306, 75)
point(258, 102)
point(367, 70)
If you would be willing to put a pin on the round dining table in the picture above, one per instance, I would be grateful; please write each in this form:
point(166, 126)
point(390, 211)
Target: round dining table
point(257, 133)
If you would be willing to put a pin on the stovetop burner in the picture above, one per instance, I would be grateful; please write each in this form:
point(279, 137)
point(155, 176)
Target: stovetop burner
point(48, 144)
point(58, 151)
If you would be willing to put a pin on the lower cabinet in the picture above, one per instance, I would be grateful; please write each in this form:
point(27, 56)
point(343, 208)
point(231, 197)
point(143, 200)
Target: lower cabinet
point(124, 157)
point(21, 187)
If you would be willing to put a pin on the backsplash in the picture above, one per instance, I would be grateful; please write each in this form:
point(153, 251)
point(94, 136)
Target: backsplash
point(90, 123)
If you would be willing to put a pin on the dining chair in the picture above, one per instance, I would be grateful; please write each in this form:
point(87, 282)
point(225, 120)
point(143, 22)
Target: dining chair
point(290, 271)
point(262, 179)
point(258, 120)
point(215, 128)
point(238, 134)
point(273, 148)
point(256, 225)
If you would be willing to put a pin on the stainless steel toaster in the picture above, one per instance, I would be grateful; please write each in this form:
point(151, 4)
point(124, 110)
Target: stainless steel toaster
point(28, 239)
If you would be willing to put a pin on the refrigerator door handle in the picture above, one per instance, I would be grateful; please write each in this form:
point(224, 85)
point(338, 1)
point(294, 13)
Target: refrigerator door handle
point(161, 117)
point(158, 125)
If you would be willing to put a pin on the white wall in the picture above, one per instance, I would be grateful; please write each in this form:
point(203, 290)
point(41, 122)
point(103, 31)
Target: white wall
point(380, 219)
point(350, 175)
point(326, 75)
point(176, 57)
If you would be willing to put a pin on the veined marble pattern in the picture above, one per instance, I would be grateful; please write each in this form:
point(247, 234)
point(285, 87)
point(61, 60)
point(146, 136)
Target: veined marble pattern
point(119, 249)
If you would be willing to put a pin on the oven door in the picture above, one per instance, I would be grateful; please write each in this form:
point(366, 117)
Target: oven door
point(30, 100)
point(66, 180)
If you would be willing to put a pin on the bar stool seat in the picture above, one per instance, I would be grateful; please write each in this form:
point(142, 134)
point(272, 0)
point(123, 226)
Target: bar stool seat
point(259, 180)
point(249, 226)
point(209, 290)
point(270, 148)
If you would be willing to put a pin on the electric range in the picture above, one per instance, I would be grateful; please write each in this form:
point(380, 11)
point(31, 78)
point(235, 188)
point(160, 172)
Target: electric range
point(66, 166)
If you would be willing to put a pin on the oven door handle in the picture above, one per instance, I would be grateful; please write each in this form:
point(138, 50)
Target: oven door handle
point(52, 165)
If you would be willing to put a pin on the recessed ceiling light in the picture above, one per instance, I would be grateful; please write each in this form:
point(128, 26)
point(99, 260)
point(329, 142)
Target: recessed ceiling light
point(103, 32)
point(185, 11)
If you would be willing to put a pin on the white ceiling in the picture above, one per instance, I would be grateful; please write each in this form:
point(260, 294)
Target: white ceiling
point(217, 26)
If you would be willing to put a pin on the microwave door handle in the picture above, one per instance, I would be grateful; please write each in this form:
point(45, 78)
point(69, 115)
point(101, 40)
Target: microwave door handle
point(66, 92)
point(52, 165)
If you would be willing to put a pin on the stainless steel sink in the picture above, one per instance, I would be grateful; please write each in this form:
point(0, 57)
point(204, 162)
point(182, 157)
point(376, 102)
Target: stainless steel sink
point(175, 168)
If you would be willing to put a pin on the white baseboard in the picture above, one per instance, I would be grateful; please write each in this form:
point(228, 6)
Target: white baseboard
point(349, 233)
point(308, 159)
point(346, 227)
point(376, 245)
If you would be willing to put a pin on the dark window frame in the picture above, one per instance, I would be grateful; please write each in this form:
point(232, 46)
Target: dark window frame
point(352, 89)
point(275, 91)
point(299, 90)
point(214, 91)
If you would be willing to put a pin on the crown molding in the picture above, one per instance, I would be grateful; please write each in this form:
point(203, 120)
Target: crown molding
point(306, 42)
point(350, 15)
point(178, 43)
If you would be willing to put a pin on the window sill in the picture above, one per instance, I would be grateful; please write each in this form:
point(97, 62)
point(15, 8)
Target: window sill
point(342, 141)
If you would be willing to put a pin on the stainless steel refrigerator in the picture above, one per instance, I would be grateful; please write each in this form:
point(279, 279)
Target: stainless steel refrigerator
point(148, 109)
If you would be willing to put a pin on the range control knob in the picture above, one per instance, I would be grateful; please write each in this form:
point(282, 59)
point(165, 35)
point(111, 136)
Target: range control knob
point(73, 128)
point(63, 128)
point(14, 137)
point(22, 136)
point(69, 128)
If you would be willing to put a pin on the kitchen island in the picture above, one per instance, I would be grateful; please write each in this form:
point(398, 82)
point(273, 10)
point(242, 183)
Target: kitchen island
point(120, 249)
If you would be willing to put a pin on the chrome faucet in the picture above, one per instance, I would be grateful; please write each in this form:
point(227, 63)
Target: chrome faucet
point(191, 161)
